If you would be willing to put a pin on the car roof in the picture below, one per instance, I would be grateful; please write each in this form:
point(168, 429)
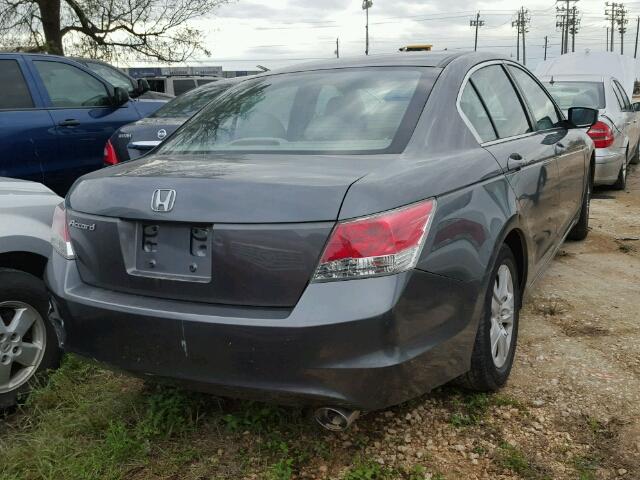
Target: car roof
point(438, 59)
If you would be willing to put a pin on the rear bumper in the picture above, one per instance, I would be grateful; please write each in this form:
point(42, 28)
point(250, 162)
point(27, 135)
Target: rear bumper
point(365, 343)
point(608, 164)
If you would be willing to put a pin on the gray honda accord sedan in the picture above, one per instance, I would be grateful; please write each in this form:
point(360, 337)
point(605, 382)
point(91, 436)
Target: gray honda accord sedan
point(346, 235)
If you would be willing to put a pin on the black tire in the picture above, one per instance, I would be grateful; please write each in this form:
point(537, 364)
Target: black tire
point(484, 375)
point(17, 286)
point(621, 182)
point(636, 156)
point(581, 229)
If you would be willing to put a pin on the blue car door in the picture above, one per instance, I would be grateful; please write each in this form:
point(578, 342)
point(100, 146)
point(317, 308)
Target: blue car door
point(82, 109)
point(27, 134)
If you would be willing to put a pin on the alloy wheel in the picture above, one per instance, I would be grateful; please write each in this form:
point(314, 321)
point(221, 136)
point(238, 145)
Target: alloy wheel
point(22, 344)
point(502, 316)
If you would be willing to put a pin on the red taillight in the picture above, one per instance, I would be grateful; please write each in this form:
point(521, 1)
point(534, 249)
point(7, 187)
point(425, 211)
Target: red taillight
point(60, 238)
point(381, 244)
point(110, 156)
point(601, 134)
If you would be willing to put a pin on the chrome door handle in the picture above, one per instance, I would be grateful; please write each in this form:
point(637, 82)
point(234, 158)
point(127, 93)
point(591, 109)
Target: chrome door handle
point(69, 122)
point(515, 162)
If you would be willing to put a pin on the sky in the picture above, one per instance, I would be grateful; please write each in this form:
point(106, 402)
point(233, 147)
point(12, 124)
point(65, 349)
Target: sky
point(277, 33)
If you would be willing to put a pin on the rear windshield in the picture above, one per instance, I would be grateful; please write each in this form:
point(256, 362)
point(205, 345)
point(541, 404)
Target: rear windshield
point(189, 103)
point(577, 94)
point(352, 110)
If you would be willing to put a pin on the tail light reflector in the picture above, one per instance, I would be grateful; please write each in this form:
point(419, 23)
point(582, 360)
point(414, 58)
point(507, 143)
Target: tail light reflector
point(110, 156)
point(60, 238)
point(382, 244)
point(601, 134)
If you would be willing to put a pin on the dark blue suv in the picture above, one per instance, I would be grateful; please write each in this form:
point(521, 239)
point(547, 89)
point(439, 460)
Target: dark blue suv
point(56, 116)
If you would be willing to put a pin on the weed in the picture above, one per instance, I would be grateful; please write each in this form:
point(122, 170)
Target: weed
point(368, 470)
point(586, 467)
point(472, 409)
point(282, 470)
point(513, 459)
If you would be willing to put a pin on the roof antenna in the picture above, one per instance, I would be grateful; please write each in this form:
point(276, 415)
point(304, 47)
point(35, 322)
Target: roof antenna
point(551, 82)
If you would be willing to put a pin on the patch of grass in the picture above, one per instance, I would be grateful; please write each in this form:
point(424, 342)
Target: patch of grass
point(368, 470)
point(259, 417)
point(471, 409)
point(586, 467)
point(282, 470)
point(515, 460)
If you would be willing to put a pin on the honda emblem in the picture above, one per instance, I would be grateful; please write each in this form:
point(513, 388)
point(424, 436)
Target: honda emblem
point(163, 200)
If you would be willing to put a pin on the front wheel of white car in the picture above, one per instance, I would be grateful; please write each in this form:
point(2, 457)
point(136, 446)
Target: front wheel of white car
point(28, 343)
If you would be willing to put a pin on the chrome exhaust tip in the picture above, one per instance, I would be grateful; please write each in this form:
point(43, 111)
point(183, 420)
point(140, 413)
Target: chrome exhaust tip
point(336, 419)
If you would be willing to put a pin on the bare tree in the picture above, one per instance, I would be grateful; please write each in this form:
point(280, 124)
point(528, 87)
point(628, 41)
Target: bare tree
point(158, 29)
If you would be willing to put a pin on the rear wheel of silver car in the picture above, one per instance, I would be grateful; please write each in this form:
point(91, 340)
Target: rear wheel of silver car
point(621, 182)
point(495, 344)
point(636, 156)
point(28, 343)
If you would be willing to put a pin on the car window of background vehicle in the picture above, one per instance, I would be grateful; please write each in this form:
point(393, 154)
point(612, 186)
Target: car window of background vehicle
point(577, 94)
point(113, 76)
point(503, 104)
point(69, 86)
point(189, 103)
point(15, 93)
point(347, 111)
point(182, 86)
point(476, 114)
point(542, 107)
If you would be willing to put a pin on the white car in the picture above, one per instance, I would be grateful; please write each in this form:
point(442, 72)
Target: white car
point(602, 80)
point(617, 132)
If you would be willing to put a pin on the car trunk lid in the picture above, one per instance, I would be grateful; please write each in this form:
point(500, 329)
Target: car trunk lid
point(240, 231)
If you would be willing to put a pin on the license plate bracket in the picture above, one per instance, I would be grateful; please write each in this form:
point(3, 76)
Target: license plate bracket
point(173, 252)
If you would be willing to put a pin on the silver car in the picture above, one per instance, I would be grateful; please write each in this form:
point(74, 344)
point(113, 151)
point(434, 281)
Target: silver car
point(28, 343)
point(617, 131)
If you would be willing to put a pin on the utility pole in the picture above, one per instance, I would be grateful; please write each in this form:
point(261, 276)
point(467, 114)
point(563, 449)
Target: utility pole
point(521, 23)
point(622, 22)
point(337, 48)
point(516, 23)
point(611, 13)
point(574, 28)
point(606, 44)
point(476, 23)
point(635, 53)
point(366, 5)
point(566, 19)
point(546, 43)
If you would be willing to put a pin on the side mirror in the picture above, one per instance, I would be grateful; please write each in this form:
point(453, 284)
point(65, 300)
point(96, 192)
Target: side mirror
point(582, 117)
point(636, 107)
point(120, 96)
point(143, 86)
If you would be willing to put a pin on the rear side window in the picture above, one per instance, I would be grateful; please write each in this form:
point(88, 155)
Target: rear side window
point(501, 100)
point(15, 93)
point(542, 107)
point(204, 81)
point(475, 112)
point(182, 86)
point(156, 85)
point(68, 86)
point(622, 96)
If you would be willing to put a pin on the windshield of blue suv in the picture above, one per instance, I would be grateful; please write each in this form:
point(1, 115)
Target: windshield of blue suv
point(351, 110)
point(189, 103)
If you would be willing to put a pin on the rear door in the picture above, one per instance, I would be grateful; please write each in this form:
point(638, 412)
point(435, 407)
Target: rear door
point(503, 127)
point(80, 105)
point(27, 136)
point(569, 146)
point(630, 117)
